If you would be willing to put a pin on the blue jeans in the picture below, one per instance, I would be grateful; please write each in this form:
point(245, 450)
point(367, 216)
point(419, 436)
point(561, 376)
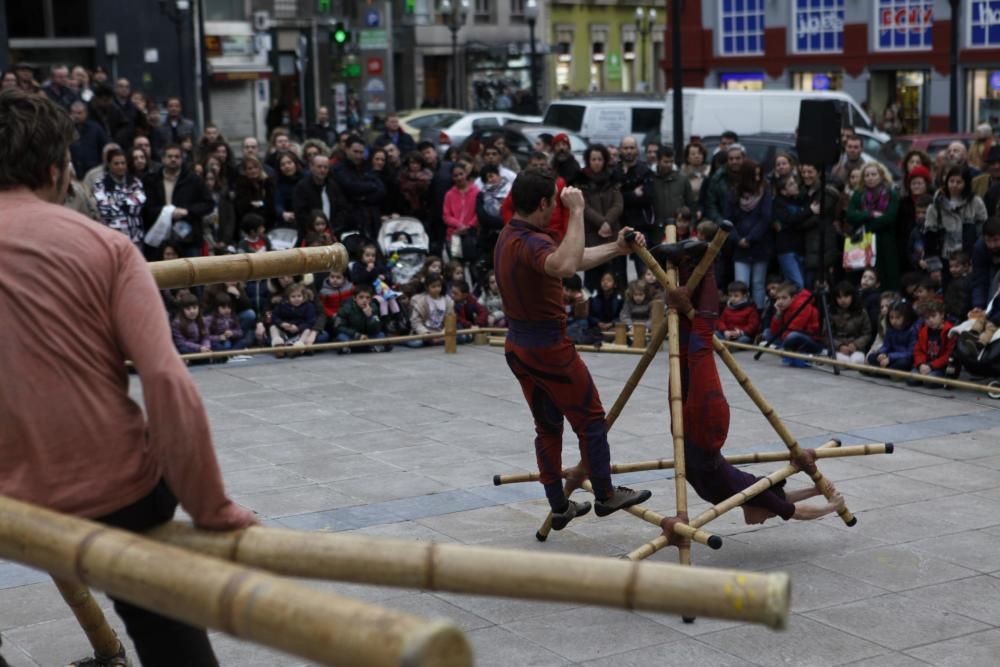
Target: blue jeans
point(800, 342)
point(739, 339)
point(791, 268)
point(753, 274)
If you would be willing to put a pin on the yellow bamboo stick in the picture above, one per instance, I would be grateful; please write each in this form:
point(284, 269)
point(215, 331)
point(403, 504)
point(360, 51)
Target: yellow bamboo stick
point(243, 267)
point(91, 619)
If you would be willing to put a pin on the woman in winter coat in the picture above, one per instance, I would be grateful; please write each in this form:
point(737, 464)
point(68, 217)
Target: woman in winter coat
point(603, 212)
point(749, 208)
point(120, 198)
point(955, 220)
point(254, 192)
point(874, 207)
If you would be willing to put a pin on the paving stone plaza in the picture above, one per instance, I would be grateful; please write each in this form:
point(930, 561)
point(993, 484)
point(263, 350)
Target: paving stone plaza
point(406, 444)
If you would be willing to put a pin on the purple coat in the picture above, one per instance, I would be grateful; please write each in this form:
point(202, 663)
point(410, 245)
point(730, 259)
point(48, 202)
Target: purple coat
point(187, 338)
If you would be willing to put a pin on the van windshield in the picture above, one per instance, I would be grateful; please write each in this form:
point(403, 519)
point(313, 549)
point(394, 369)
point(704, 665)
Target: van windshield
point(569, 116)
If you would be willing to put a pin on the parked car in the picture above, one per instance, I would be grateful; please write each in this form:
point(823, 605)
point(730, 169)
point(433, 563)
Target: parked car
point(453, 134)
point(763, 148)
point(933, 142)
point(520, 139)
point(414, 121)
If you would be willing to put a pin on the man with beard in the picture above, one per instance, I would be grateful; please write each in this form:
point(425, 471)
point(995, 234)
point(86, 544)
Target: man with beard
point(563, 162)
point(636, 183)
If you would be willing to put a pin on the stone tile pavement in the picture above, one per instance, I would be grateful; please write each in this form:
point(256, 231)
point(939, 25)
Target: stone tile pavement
point(405, 445)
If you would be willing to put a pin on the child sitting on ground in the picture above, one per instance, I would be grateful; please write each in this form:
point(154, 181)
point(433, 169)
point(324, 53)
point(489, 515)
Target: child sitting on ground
point(886, 299)
point(367, 270)
point(188, 327)
point(254, 234)
point(335, 292)
point(934, 347)
point(896, 351)
point(576, 308)
point(871, 296)
point(319, 232)
point(359, 320)
point(637, 304)
point(489, 296)
point(293, 319)
point(428, 310)
point(468, 311)
point(224, 330)
point(958, 293)
point(656, 291)
point(798, 319)
point(925, 293)
point(850, 324)
point(767, 313)
point(606, 304)
point(739, 320)
point(683, 218)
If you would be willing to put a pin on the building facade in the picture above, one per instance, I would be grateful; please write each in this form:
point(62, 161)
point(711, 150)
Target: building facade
point(885, 52)
point(607, 46)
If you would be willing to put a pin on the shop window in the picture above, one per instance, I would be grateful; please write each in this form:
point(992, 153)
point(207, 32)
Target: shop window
point(983, 24)
point(48, 18)
point(742, 32)
point(818, 26)
point(904, 25)
point(742, 80)
point(817, 80)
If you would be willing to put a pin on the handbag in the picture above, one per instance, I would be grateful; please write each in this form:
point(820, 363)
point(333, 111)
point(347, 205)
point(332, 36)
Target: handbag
point(859, 250)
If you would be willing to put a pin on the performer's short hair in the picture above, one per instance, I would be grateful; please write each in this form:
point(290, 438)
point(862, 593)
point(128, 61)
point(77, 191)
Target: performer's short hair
point(35, 134)
point(530, 187)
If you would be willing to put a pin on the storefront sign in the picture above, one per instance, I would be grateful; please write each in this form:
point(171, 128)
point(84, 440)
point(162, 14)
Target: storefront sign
point(995, 81)
point(904, 24)
point(374, 40)
point(821, 82)
point(614, 66)
point(984, 23)
point(819, 26)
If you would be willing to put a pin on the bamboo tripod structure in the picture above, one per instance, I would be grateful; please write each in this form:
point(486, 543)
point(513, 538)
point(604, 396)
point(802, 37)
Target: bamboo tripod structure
point(679, 530)
point(478, 570)
point(209, 592)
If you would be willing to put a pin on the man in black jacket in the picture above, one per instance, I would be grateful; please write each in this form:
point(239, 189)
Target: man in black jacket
point(636, 182)
point(319, 192)
point(393, 134)
point(186, 192)
point(440, 184)
point(363, 190)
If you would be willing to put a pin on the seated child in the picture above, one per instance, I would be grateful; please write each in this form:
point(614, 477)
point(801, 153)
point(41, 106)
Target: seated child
point(358, 320)
point(468, 311)
point(934, 347)
point(886, 299)
point(684, 220)
point(871, 296)
point(958, 293)
point(188, 327)
point(637, 304)
point(293, 319)
point(802, 331)
point(850, 324)
point(490, 298)
point(224, 331)
point(367, 270)
point(576, 308)
point(896, 351)
point(606, 304)
point(767, 313)
point(656, 291)
point(926, 291)
point(254, 234)
point(319, 233)
point(739, 320)
point(428, 310)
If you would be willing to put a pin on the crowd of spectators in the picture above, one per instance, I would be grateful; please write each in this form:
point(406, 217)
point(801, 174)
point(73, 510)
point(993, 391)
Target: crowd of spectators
point(180, 192)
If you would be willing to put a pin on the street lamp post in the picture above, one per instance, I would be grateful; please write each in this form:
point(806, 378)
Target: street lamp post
point(644, 27)
point(531, 14)
point(456, 13)
point(177, 12)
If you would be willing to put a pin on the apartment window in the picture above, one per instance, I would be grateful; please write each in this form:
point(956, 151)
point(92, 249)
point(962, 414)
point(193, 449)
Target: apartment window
point(48, 18)
point(983, 23)
point(517, 11)
point(818, 26)
point(742, 32)
point(485, 12)
point(904, 25)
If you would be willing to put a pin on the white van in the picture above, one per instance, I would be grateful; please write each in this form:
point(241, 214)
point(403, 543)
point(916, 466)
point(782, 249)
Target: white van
point(710, 112)
point(606, 120)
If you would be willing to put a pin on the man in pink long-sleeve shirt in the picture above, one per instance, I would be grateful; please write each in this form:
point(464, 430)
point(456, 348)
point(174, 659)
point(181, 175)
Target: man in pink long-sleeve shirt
point(78, 300)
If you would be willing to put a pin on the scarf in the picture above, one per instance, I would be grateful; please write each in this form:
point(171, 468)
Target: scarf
point(599, 179)
point(875, 200)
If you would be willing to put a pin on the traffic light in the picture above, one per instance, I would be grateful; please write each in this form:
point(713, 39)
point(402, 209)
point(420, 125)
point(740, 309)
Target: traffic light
point(340, 35)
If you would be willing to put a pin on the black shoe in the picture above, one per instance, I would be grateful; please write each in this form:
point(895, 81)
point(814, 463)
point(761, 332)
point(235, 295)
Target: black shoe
point(675, 253)
point(621, 498)
point(573, 510)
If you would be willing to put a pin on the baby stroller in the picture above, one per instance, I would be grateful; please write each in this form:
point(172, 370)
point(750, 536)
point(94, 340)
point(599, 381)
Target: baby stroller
point(406, 245)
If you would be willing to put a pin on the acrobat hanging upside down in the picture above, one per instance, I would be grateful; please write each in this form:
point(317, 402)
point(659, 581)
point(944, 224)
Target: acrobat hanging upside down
point(706, 412)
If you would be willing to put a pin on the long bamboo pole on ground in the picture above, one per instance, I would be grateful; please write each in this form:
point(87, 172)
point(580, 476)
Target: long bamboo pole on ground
point(91, 619)
point(224, 268)
point(875, 370)
point(779, 426)
point(755, 489)
point(498, 572)
point(207, 592)
point(734, 459)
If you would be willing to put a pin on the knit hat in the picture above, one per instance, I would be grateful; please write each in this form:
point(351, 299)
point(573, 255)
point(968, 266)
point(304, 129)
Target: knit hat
point(562, 136)
point(919, 171)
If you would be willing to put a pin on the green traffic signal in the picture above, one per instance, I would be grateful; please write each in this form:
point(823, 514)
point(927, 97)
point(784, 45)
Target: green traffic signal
point(340, 34)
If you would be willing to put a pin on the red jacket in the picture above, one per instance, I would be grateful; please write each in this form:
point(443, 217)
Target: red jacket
point(471, 313)
point(742, 316)
point(934, 353)
point(560, 214)
point(807, 321)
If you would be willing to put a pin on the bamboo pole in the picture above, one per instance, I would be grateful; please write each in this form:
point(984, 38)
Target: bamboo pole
point(207, 592)
point(621, 333)
point(639, 335)
point(875, 370)
point(243, 267)
point(450, 333)
point(478, 570)
point(779, 426)
point(734, 459)
point(755, 489)
point(657, 313)
point(91, 619)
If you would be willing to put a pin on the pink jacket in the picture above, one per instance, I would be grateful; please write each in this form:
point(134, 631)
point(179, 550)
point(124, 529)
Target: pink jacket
point(459, 209)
